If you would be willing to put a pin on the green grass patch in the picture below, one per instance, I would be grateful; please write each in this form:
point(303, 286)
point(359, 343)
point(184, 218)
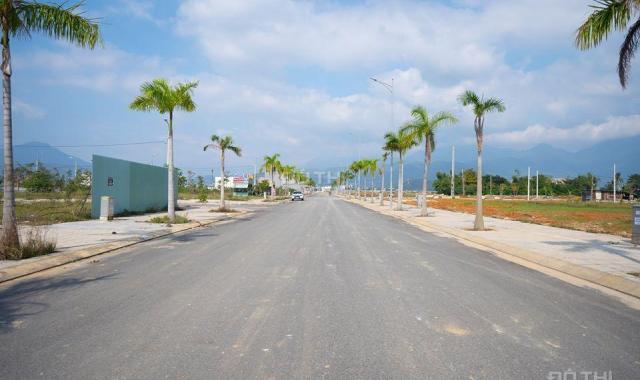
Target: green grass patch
point(51, 211)
point(164, 219)
point(223, 209)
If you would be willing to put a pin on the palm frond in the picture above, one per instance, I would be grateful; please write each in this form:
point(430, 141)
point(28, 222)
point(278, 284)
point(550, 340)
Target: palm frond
point(183, 94)
point(608, 15)
point(627, 51)
point(442, 118)
point(493, 104)
point(60, 22)
point(469, 98)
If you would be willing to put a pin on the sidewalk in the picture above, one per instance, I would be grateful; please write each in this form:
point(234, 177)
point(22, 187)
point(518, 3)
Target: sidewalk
point(79, 240)
point(600, 258)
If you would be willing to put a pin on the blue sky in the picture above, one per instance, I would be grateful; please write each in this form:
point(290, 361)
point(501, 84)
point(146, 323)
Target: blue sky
point(292, 77)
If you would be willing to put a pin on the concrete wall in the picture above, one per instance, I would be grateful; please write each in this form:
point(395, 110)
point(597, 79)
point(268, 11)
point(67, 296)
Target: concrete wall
point(135, 187)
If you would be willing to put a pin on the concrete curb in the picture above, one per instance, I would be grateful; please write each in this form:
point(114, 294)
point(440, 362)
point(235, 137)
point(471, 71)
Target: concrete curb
point(607, 280)
point(49, 262)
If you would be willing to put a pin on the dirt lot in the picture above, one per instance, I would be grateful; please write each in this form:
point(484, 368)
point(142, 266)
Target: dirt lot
point(591, 217)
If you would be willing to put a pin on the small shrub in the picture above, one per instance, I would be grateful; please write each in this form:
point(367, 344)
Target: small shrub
point(35, 243)
point(165, 219)
point(223, 209)
point(202, 196)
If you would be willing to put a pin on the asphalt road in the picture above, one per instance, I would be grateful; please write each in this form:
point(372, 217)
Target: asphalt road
point(316, 289)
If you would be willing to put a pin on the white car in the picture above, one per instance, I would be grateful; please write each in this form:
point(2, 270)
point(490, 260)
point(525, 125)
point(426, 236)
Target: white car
point(297, 196)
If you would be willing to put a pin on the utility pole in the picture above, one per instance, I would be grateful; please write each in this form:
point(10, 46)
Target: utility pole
point(528, 183)
point(614, 183)
point(490, 185)
point(537, 178)
point(453, 171)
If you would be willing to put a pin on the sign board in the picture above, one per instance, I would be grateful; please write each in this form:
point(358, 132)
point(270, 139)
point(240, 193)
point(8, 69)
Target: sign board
point(110, 181)
point(637, 221)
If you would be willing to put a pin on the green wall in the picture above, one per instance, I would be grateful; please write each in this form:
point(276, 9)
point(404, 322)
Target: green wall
point(135, 187)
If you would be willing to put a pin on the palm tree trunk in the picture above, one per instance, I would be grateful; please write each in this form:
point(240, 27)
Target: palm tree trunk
point(273, 186)
point(10, 237)
point(400, 182)
point(425, 173)
point(372, 188)
point(171, 199)
point(222, 205)
point(391, 182)
point(382, 185)
point(478, 224)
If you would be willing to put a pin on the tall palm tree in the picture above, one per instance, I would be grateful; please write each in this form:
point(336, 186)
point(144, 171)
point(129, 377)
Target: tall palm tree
point(405, 142)
point(159, 95)
point(19, 18)
point(385, 156)
point(288, 171)
point(423, 128)
point(223, 144)
point(609, 15)
point(480, 107)
point(271, 164)
point(391, 146)
point(373, 169)
point(357, 167)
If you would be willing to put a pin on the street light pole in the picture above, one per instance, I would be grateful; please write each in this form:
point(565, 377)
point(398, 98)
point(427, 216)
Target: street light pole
point(390, 88)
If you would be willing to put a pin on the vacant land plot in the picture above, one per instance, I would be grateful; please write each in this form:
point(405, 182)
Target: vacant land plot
point(591, 217)
point(51, 211)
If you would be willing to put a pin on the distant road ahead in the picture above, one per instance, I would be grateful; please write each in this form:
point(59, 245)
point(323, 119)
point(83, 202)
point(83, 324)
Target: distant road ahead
point(315, 289)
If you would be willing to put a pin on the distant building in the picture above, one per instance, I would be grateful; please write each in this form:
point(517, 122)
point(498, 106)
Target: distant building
point(238, 184)
point(558, 180)
point(605, 196)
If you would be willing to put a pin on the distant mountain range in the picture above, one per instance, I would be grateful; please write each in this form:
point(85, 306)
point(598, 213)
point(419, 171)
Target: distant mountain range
point(549, 160)
point(47, 155)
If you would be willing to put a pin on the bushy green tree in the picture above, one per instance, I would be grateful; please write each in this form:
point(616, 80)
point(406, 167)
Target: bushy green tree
point(40, 181)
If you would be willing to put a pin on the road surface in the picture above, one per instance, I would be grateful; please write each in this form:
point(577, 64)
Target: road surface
point(314, 289)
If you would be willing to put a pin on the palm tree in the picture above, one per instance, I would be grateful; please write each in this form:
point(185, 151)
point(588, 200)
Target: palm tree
point(607, 16)
point(423, 128)
point(287, 171)
point(373, 169)
point(223, 144)
point(385, 156)
point(480, 106)
point(391, 146)
point(19, 18)
point(159, 95)
point(271, 165)
point(357, 167)
point(405, 142)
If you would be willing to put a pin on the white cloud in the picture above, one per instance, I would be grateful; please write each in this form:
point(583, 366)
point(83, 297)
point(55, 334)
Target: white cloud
point(281, 33)
point(431, 50)
point(612, 128)
point(28, 111)
point(104, 70)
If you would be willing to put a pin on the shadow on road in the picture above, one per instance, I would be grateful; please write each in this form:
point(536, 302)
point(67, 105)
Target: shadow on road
point(21, 300)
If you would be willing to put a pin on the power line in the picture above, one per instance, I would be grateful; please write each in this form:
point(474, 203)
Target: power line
point(90, 145)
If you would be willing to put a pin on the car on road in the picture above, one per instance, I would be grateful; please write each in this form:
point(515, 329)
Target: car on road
point(297, 196)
